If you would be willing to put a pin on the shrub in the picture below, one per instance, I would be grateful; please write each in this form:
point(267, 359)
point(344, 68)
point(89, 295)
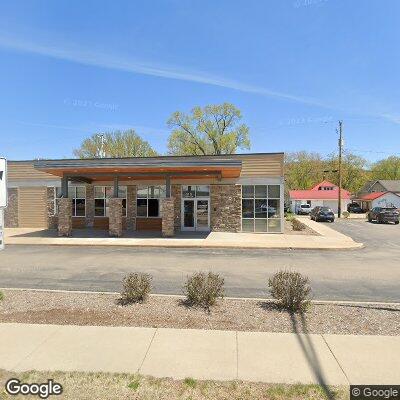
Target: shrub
point(289, 216)
point(136, 288)
point(203, 289)
point(345, 214)
point(291, 289)
point(1, 296)
point(297, 225)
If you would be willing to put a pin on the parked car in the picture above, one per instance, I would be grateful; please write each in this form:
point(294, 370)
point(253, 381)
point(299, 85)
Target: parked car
point(321, 213)
point(383, 215)
point(354, 208)
point(304, 209)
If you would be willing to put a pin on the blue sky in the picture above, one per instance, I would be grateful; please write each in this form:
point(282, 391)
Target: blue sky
point(294, 67)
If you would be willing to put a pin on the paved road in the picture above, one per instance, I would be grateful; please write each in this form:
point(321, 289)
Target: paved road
point(369, 274)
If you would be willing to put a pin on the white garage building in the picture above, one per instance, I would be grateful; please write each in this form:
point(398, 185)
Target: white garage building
point(324, 194)
point(379, 199)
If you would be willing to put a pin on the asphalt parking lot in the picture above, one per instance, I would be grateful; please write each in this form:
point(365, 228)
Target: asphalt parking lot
point(376, 237)
point(368, 274)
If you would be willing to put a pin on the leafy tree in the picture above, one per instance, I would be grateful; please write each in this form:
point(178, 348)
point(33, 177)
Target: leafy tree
point(213, 129)
point(389, 168)
point(354, 171)
point(116, 144)
point(303, 169)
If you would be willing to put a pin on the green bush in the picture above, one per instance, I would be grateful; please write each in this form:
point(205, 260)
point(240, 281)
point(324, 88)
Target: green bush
point(345, 214)
point(136, 288)
point(203, 289)
point(1, 296)
point(289, 216)
point(291, 289)
point(297, 225)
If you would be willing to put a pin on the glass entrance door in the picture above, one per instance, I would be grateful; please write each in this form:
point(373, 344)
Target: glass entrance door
point(195, 215)
point(202, 222)
point(189, 215)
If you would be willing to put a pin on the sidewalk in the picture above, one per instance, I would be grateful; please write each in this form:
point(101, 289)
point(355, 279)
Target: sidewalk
point(329, 239)
point(203, 354)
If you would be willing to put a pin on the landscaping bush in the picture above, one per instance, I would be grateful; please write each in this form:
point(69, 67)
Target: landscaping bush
point(1, 296)
point(291, 289)
point(345, 214)
point(297, 225)
point(289, 216)
point(136, 288)
point(203, 289)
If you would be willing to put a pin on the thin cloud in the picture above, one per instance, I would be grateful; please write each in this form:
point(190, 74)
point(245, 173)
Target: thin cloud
point(109, 61)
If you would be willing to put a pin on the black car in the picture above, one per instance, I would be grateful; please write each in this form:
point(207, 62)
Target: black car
point(354, 208)
point(321, 213)
point(383, 215)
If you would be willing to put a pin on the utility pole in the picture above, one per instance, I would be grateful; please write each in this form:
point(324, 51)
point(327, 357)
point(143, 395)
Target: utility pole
point(101, 152)
point(340, 168)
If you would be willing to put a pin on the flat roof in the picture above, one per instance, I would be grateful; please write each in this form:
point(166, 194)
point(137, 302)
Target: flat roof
point(156, 157)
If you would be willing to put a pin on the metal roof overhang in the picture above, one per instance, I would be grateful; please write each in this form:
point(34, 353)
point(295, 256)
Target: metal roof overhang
point(140, 168)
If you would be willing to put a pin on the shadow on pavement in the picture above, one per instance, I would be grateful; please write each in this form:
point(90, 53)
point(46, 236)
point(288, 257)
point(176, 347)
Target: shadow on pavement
point(308, 349)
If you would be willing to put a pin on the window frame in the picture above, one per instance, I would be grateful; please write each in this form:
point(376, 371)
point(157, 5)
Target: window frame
point(267, 198)
point(74, 198)
point(105, 198)
point(195, 192)
point(161, 195)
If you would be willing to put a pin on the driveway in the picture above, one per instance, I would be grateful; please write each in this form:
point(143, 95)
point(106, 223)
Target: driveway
point(369, 274)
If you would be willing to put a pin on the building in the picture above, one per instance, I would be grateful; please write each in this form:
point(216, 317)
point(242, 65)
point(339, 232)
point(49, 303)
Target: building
point(324, 194)
point(380, 186)
point(378, 199)
point(379, 193)
point(231, 193)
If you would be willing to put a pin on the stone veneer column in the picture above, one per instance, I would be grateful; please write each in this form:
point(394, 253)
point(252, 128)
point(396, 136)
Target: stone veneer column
point(176, 193)
point(131, 207)
point(89, 221)
point(64, 216)
point(115, 217)
point(11, 212)
point(168, 217)
point(226, 208)
point(51, 217)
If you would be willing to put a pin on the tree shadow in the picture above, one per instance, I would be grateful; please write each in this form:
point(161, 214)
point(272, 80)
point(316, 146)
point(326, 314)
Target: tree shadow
point(304, 339)
point(372, 307)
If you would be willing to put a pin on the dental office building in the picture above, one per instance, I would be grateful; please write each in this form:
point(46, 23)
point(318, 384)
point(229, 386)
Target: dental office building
point(168, 194)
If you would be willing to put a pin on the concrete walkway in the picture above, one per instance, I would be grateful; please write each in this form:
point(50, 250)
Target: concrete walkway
point(202, 354)
point(327, 239)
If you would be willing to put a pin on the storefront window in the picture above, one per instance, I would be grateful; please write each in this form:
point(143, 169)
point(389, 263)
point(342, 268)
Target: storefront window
point(261, 208)
point(102, 195)
point(78, 196)
point(148, 201)
point(191, 191)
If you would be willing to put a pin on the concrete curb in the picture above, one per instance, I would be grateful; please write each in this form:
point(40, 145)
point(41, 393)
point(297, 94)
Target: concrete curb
point(179, 296)
point(351, 246)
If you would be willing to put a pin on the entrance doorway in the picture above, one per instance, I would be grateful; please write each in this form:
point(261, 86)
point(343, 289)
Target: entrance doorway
point(195, 215)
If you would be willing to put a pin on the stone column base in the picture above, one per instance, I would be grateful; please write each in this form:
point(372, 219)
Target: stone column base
point(115, 217)
point(64, 216)
point(168, 217)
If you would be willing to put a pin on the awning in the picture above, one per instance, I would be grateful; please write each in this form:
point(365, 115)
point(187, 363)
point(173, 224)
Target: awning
point(142, 168)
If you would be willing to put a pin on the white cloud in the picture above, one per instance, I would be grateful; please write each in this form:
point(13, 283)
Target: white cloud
point(88, 57)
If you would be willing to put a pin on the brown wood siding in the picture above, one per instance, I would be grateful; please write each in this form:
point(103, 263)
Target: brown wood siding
point(25, 171)
point(78, 222)
point(100, 223)
point(148, 224)
point(32, 211)
point(262, 165)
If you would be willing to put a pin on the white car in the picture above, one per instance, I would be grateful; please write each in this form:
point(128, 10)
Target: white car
point(304, 209)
